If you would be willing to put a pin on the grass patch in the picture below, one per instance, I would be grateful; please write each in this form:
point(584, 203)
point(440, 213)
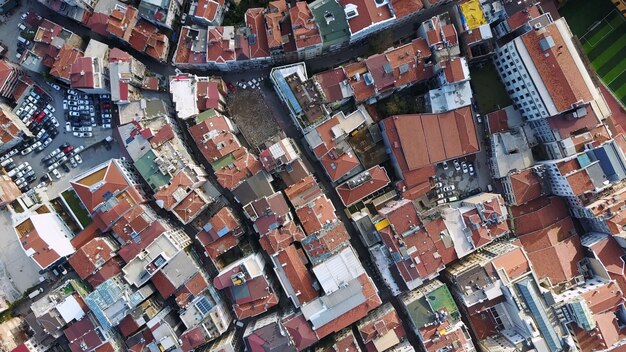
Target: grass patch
point(75, 205)
point(17, 207)
point(614, 50)
point(599, 35)
point(618, 82)
point(615, 64)
point(490, 92)
point(607, 42)
point(616, 71)
point(582, 14)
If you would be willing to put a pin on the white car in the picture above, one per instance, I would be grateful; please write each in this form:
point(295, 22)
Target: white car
point(54, 86)
point(84, 134)
point(56, 173)
point(55, 122)
point(449, 188)
point(78, 159)
point(106, 125)
point(464, 167)
point(86, 129)
point(51, 108)
point(457, 166)
point(24, 15)
point(27, 150)
point(53, 166)
point(73, 162)
point(471, 169)
point(72, 92)
point(68, 126)
point(74, 113)
point(79, 149)
point(36, 144)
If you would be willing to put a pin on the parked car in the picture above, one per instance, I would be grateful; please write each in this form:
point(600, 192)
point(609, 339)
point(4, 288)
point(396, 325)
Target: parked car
point(78, 159)
point(54, 86)
point(457, 166)
point(56, 173)
point(449, 188)
point(86, 129)
point(73, 113)
point(471, 169)
point(464, 167)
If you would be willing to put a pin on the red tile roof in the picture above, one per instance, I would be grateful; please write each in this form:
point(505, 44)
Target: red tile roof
point(300, 331)
point(354, 189)
point(169, 196)
point(330, 81)
point(207, 9)
point(453, 70)
point(214, 138)
point(63, 62)
point(426, 139)
point(98, 23)
point(244, 166)
point(538, 214)
point(210, 94)
point(610, 254)
point(527, 186)
point(192, 288)
point(81, 75)
point(278, 239)
point(303, 191)
point(90, 257)
point(556, 67)
point(424, 261)
point(146, 38)
point(327, 242)
point(122, 21)
point(368, 14)
point(257, 41)
point(82, 335)
point(220, 48)
point(299, 277)
point(220, 224)
point(514, 263)
point(110, 269)
point(221, 246)
point(317, 214)
point(305, 30)
point(522, 17)
point(403, 8)
point(386, 321)
point(190, 207)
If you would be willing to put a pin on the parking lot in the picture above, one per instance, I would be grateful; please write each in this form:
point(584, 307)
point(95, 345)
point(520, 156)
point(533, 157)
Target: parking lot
point(9, 31)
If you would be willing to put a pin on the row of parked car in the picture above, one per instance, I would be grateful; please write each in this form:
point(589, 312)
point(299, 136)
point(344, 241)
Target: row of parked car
point(86, 111)
point(38, 115)
point(21, 174)
point(60, 156)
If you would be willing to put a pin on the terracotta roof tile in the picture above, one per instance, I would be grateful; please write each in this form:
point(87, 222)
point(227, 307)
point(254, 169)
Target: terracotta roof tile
point(90, 257)
point(81, 74)
point(255, 20)
point(368, 14)
point(527, 186)
point(317, 214)
point(190, 206)
point(207, 9)
point(556, 67)
point(278, 239)
point(300, 331)
point(244, 166)
point(354, 189)
point(63, 62)
point(291, 260)
point(403, 8)
point(305, 30)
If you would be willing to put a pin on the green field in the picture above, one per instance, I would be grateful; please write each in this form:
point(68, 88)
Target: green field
point(601, 30)
point(491, 94)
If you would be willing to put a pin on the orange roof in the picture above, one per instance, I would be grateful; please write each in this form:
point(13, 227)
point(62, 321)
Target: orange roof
point(303, 191)
point(361, 90)
point(580, 182)
point(362, 185)
point(90, 257)
point(221, 246)
point(305, 30)
point(278, 239)
point(136, 220)
point(453, 70)
point(426, 139)
point(292, 262)
point(556, 67)
point(81, 75)
point(514, 263)
point(372, 330)
point(169, 195)
point(220, 48)
point(62, 66)
point(368, 14)
point(190, 207)
point(610, 254)
point(244, 166)
point(122, 21)
point(315, 215)
point(8, 132)
point(223, 222)
point(339, 166)
point(93, 189)
point(522, 17)
point(527, 186)
point(328, 241)
point(207, 9)
point(257, 41)
point(403, 8)
point(538, 214)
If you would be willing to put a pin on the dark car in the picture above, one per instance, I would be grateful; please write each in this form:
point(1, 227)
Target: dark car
point(25, 189)
point(10, 166)
point(231, 87)
point(31, 178)
point(65, 168)
point(53, 133)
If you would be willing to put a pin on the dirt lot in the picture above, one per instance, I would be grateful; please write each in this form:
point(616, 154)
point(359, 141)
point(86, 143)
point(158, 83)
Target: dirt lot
point(252, 116)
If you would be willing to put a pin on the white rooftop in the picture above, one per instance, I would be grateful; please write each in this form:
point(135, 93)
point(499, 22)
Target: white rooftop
point(70, 310)
point(450, 97)
point(336, 271)
point(183, 90)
